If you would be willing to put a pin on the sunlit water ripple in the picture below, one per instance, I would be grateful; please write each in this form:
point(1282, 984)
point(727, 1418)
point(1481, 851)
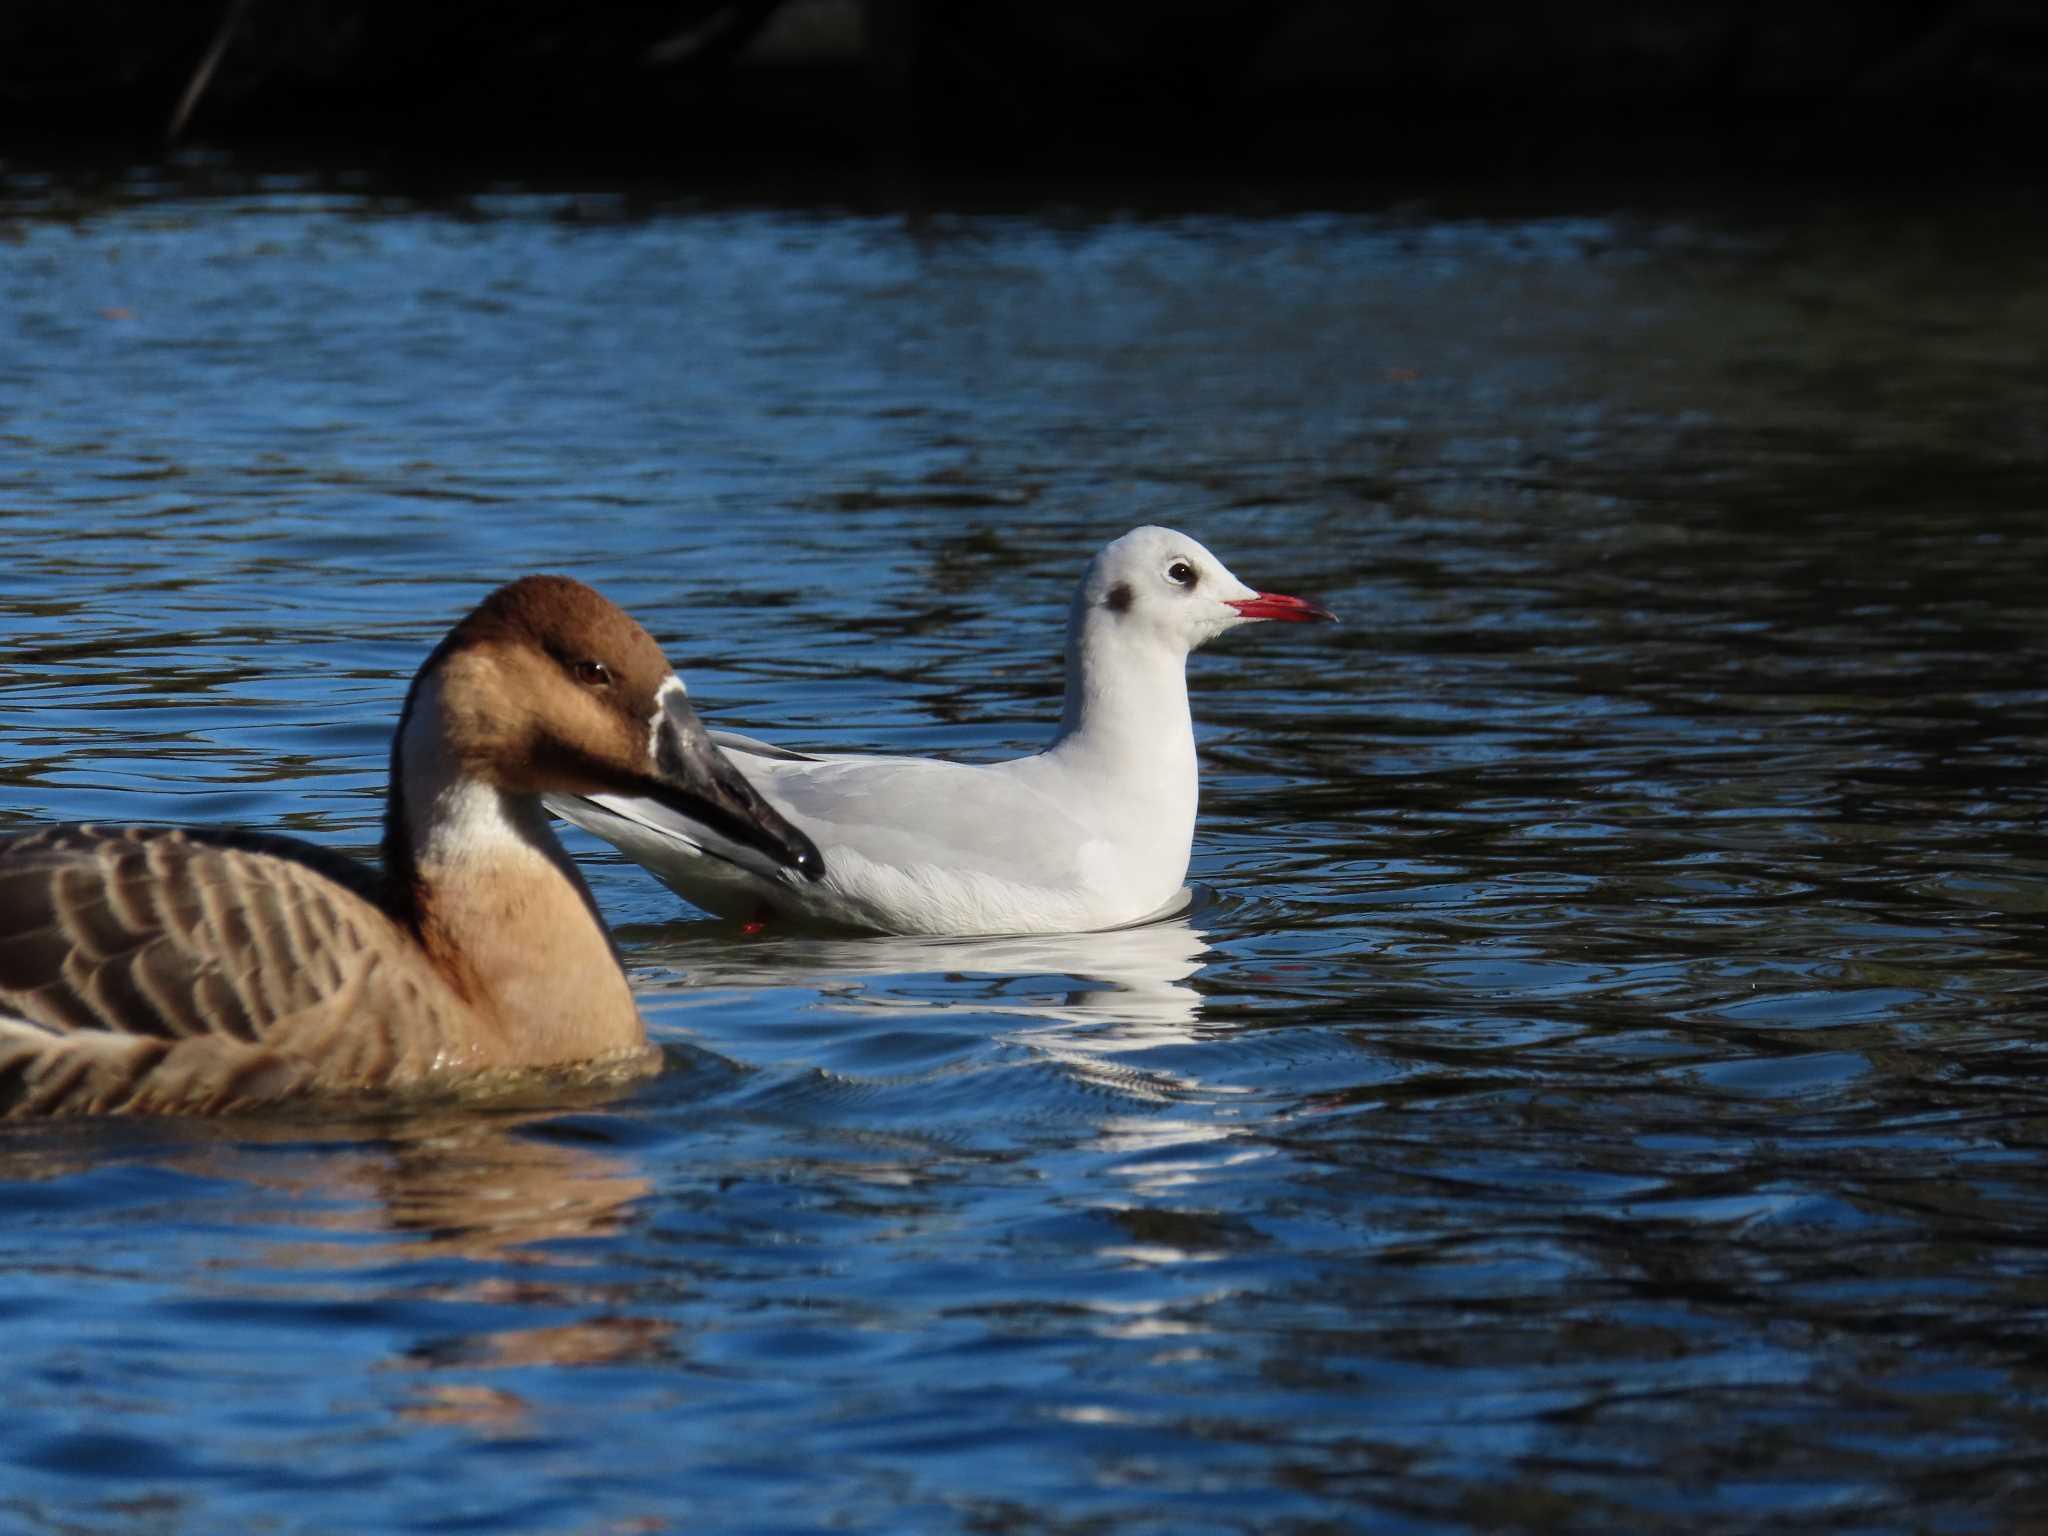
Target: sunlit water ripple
point(1598, 1085)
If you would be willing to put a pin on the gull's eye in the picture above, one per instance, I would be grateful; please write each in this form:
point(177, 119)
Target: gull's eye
point(1181, 574)
point(594, 673)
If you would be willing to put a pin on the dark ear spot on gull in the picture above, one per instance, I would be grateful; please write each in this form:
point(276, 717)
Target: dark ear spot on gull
point(1119, 599)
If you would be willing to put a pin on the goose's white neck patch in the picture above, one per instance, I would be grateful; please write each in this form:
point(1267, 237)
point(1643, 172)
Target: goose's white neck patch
point(452, 816)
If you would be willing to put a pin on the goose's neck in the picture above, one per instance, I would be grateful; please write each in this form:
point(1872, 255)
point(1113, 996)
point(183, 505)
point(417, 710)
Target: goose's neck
point(498, 904)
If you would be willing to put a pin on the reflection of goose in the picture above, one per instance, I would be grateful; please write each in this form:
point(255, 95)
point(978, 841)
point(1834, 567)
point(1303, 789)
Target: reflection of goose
point(1092, 832)
point(488, 1190)
point(491, 1207)
point(476, 1187)
point(148, 969)
point(450, 1181)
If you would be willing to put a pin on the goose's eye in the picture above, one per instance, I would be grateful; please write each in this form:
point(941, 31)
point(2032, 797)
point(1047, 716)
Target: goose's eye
point(593, 673)
point(1181, 574)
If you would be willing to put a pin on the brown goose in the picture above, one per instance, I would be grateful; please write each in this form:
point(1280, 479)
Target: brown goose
point(155, 970)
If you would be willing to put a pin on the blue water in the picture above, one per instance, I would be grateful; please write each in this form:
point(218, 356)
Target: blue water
point(1599, 1086)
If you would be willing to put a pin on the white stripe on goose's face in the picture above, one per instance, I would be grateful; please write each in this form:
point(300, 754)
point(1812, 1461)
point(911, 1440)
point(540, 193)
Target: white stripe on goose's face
point(671, 686)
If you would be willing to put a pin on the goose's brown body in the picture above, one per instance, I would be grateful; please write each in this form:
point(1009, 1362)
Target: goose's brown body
point(161, 970)
point(158, 970)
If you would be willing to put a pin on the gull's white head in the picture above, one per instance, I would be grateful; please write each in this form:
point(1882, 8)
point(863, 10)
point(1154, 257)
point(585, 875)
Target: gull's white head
point(1156, 584)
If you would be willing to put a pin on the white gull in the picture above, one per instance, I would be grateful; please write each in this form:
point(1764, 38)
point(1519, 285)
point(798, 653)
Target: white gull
point(1093, 832)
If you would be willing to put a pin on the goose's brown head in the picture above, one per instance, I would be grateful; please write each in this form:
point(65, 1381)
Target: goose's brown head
point(550, 688)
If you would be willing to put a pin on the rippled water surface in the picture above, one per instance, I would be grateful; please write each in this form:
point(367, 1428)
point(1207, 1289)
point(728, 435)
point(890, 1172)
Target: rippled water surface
point(1600, 1085)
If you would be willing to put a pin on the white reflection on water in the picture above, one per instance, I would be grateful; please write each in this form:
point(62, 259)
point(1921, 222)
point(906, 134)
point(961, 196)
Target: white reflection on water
point(1090, 1002)
point(1134, 981)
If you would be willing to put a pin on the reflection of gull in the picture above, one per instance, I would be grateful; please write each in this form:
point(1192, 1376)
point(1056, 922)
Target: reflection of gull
point(1087, 997)
point(1133, 979)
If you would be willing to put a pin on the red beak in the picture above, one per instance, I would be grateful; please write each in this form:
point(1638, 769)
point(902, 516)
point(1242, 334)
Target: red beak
point(1274, 605)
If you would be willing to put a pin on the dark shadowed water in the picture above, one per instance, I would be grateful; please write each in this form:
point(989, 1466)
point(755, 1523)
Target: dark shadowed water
point(1602, 1085)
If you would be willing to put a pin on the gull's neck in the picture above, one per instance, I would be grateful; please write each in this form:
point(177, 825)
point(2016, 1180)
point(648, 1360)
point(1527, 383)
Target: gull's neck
point(497, 902)
point(1125, 724)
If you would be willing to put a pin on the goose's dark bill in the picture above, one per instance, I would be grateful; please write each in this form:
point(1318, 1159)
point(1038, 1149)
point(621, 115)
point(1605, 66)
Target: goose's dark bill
point(695, 780)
